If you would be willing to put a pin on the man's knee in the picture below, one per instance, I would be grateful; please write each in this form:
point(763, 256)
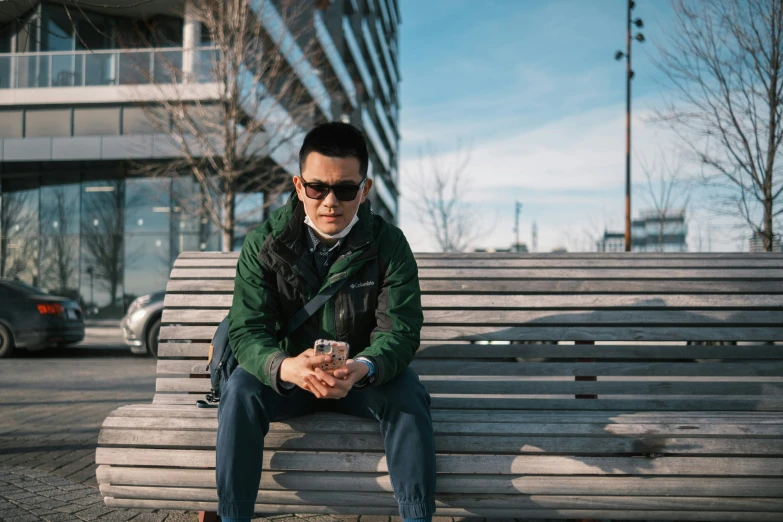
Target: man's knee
point(243, 392)
point(241, 385)
point(405, 392)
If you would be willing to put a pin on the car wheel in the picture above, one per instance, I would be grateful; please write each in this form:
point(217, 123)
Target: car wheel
point(6, 342)
point(152, 338)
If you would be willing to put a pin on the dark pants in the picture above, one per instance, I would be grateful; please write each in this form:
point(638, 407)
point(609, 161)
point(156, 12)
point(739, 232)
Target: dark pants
point(402, 406)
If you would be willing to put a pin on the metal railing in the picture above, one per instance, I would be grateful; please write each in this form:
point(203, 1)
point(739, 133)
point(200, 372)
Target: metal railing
point(104, 67)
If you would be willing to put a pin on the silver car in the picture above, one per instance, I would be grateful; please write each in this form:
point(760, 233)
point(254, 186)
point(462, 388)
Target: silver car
point(141, 325)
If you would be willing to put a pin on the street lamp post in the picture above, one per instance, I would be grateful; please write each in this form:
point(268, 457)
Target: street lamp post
point(90, 271)
point(619, 55)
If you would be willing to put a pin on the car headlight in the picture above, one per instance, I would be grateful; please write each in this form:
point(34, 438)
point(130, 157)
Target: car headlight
point(137, 315)
point(139, 302)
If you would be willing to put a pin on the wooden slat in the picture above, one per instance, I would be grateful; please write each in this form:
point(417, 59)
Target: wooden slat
point(467, 418)
point(573, 301)
point(625, 274)
point(456, 367)
point(432, 318)
point(511, 484)
point(469, 444)
point(571, 286)
point(200, 350)
point(203, 273)
point(633, 402)
point(489, 512)
point(535, 286)
point(187, 333)
point(597, 255)
point(589, 263)
point(198, 301)
point(503, 402)
point(474, 501)
point(510, 386)
point(598, 301)
point(600, 333)
point(467, 367)
point(195, 254)
point(552, 351)
point(231, 262)
point(544, 333)
point(346, 427)
point(206, 262)
point(603, 317)
point(199, 285)
point(598, 514)
point(639, 274)
point(598, 351)
point(484, 464)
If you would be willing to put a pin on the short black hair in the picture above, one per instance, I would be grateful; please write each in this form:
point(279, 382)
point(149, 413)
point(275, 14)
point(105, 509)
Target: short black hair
point(336, 139)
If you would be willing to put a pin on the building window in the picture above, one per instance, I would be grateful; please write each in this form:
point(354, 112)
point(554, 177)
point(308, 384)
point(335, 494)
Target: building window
point(102, 247)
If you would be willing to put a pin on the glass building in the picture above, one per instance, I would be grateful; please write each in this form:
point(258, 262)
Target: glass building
point(75, 219)
point(650, 233)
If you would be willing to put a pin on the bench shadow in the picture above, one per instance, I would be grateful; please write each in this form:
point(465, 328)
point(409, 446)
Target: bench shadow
point(642, 455)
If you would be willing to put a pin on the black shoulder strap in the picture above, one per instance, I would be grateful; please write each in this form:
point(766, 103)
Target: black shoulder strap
point(310, 308)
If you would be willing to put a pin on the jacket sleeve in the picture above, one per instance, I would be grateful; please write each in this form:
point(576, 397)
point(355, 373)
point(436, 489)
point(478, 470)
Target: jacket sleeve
point(254, 313)
point(399, 317)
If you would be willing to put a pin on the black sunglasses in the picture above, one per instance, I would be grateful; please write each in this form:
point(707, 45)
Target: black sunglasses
point(343, 192)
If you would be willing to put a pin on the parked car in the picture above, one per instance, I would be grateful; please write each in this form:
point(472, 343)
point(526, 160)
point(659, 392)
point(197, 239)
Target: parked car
point(141, 325)
point(32, 319)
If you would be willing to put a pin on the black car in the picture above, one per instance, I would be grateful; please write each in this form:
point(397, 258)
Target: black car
point(32, 319)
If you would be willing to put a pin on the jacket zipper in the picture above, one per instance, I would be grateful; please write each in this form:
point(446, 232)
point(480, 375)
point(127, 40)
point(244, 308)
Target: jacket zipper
point(340, 326)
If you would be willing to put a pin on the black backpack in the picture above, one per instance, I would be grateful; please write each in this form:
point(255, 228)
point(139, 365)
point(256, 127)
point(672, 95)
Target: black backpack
point(222, 362)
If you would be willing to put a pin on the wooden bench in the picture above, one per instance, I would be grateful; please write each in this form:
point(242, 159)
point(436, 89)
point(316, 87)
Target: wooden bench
point(531, 429)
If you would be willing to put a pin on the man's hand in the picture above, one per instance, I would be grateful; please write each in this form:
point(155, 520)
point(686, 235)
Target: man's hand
point(296, 369)
point(336, 385)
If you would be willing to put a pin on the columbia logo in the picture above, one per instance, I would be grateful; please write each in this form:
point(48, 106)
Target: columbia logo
point(362, 285)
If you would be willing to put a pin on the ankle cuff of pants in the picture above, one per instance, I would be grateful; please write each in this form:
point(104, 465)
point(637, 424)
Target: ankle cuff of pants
point(236, 509)
point(421, 509)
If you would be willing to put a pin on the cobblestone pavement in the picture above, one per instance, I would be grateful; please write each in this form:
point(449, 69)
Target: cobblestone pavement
point(52, 405)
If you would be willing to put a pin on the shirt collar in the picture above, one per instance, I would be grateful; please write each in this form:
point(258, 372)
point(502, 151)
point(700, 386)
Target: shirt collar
point(315, 242)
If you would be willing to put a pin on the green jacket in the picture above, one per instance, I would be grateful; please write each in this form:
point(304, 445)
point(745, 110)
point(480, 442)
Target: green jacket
point(377, 311)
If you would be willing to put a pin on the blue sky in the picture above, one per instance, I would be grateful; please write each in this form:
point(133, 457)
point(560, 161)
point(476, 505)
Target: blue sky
point(533, 88)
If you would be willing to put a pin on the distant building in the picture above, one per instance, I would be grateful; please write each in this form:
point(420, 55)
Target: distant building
point(756, 243)
point(611, 242)
point(650, 233)
point(522, 248)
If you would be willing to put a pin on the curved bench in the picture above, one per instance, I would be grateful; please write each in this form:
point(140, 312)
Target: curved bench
point(531, 429)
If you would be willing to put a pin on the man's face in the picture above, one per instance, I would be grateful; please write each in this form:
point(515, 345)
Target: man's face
point(330, 214)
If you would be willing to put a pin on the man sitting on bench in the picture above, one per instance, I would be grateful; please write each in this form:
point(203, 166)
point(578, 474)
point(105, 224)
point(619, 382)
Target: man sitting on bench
point(326, 235)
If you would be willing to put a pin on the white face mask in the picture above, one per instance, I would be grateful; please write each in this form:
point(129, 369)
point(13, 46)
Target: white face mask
point(339, 235)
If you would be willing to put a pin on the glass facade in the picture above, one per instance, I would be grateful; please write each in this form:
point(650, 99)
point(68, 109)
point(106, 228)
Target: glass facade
point(91, 233)
point(84, 227)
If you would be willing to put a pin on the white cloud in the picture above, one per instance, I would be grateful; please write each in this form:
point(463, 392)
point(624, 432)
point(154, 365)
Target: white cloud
point(569, 174)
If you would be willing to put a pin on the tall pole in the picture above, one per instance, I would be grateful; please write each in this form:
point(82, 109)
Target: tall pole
point(517, 209)
point(628, 134)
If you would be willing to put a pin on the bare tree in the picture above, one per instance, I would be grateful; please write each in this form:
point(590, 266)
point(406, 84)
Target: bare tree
point(236, 112)
point(103, 232)
point(667, 192)
point(18, 244)
point(725, 62)
point(584, 238)
point(442, 186)
point(59, 251)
